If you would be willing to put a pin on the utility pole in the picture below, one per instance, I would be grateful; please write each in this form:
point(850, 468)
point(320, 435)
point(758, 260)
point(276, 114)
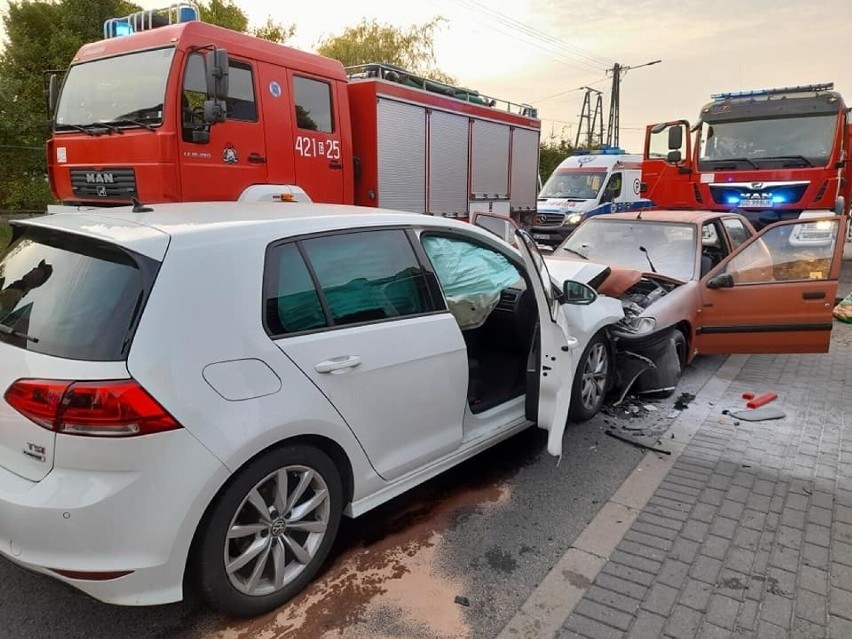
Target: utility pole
point(591, 119)
point(618, 71)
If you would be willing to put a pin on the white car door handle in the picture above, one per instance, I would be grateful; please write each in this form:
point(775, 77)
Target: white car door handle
point(338, 363)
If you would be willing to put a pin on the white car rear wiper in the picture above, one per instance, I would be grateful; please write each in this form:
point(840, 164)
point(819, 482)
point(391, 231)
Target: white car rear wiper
point(8, 330)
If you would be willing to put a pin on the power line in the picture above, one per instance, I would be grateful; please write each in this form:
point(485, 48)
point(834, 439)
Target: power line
point(530, 36)
point(558, 43)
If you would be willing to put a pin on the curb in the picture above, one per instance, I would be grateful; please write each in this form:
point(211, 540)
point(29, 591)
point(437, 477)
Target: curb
point(551, 603)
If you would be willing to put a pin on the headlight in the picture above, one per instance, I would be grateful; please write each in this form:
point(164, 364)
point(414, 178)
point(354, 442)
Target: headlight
point(574, 218)
point(638, 325)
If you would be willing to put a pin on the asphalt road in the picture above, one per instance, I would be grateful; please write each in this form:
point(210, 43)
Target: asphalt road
point(487, 531)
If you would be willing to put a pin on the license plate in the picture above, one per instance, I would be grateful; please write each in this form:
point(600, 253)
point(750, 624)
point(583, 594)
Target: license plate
point(540, 236)
point(761, 203)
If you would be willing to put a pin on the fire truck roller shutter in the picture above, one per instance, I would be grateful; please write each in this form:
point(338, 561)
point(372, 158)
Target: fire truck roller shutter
point(490, 160)
point(402, 156)
point(525, 150)
point(448, 164)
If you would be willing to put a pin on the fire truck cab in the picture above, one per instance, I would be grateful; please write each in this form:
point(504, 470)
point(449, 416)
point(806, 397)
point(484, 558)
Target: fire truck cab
point(770, 154)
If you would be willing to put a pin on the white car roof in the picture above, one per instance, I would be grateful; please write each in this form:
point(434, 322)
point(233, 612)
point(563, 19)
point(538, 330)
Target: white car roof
point(150, 232)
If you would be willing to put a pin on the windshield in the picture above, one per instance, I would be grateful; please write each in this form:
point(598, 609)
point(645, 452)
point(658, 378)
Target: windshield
point(126, 87)
point(670, 246)
point(69, 296)
point(792, 141)
point(573, 184)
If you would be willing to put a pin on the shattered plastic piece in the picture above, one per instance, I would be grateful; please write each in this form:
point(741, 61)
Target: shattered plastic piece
point(759, 414)
point(462, 601)
point(673, 415)
point(650, 407)
point(630, 366)
point(624, 438)
point(684, 400)
point(748, 395)
point(757, 402)
point(736, 423)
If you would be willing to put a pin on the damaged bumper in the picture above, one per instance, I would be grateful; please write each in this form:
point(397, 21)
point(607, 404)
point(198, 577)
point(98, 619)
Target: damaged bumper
point(647, 363)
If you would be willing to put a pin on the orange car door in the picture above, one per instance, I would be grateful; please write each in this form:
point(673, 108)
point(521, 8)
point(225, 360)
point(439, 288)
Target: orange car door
point(776, 293)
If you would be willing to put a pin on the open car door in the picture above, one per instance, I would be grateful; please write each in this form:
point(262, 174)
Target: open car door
point(776, 293)
point(556, 358)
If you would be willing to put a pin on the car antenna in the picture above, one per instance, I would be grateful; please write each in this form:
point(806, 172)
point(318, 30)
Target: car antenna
point(138, 207)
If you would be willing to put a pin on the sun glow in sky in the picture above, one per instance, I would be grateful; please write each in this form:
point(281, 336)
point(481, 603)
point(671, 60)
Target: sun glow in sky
point(542, 51)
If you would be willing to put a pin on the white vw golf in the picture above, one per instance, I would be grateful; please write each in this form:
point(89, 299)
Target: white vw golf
point(205, 389)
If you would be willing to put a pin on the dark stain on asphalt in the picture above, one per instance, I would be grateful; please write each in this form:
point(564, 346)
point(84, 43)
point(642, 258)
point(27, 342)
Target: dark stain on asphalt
point(501, 561)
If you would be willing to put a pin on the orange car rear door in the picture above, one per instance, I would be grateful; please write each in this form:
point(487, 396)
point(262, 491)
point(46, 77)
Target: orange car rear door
point(774, 294)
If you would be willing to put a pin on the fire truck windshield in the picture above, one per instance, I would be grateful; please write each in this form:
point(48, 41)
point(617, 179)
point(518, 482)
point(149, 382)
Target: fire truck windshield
point(126, 90)
point(800, 141)
point(573, 185)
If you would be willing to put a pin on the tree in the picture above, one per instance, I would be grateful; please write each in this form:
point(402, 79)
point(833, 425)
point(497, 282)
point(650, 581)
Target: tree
point(551, 152)
point(369, 41)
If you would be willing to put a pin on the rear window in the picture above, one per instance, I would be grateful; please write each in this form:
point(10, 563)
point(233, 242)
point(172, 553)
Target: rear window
point(71, 297)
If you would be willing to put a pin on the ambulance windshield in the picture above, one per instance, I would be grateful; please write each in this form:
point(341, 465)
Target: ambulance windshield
point(571, 184)
point(125, 90)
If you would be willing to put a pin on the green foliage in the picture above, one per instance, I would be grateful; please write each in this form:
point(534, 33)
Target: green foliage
point(225, 14)
point(412, 49)
point(552, 151)
point(5, 235)
point(274, 32)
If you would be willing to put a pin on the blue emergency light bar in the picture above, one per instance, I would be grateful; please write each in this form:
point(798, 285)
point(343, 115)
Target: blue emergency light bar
point(805, 88)
point(151, 19)
point(607, 150)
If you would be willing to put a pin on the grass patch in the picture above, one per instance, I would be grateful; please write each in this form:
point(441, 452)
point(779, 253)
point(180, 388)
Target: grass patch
point(5, 235)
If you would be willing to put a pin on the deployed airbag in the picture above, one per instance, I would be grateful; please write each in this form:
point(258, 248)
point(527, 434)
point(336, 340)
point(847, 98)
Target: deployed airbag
point(471, 276)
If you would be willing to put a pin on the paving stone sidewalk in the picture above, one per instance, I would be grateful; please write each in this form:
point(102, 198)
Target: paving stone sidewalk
point(750, 533)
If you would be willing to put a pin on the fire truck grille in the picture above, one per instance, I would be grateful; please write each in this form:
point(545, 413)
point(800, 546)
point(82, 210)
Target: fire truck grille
point(114, 184)
point(549, 219)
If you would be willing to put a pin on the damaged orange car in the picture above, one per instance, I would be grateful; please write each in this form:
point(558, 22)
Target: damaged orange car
point(699, 282)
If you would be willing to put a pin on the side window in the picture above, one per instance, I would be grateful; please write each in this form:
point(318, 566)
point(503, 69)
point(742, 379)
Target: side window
point(789, 253)
point(369, 276)
point(292, 303)
point(736, 231)
point(313, 105)
point(713, 247)
point(472, 277)
point(241, 102)
point(613, 188)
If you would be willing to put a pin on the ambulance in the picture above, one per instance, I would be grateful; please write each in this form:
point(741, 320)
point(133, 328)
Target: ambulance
point(585, 184)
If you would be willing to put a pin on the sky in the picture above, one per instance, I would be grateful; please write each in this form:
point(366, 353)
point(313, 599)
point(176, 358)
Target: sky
point(542, 52)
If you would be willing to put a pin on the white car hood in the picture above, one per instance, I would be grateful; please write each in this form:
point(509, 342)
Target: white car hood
point(563, 269)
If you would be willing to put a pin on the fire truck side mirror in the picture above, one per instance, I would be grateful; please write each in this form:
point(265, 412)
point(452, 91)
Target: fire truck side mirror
point(674, 157)
point(217, 74)
point(215, 111)
point(52, 93)
point(675, 138)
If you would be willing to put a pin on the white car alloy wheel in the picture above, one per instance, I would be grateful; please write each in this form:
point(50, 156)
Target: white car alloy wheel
point(277, 530)
point(591, 382)
point(269, 531)
point(595, 373)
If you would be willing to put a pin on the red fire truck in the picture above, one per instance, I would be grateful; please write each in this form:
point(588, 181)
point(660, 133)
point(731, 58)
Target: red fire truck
point(167, 108)
point(771, 154)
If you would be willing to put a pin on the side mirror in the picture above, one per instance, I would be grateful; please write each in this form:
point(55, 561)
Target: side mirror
point(52, 93)
point(578, 294)
point(725, 280)
point(675, 137)
point(674, 157)
point(217, 74)
point(215, 111)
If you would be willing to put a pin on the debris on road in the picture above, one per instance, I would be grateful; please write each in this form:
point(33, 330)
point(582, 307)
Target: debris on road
point(759, 414)
point(683, 401)
point(462, 601)
point(621, 437)
point(757, 402)
point(748, 395)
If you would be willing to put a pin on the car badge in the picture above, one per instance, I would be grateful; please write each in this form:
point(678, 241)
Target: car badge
point(757, 185)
